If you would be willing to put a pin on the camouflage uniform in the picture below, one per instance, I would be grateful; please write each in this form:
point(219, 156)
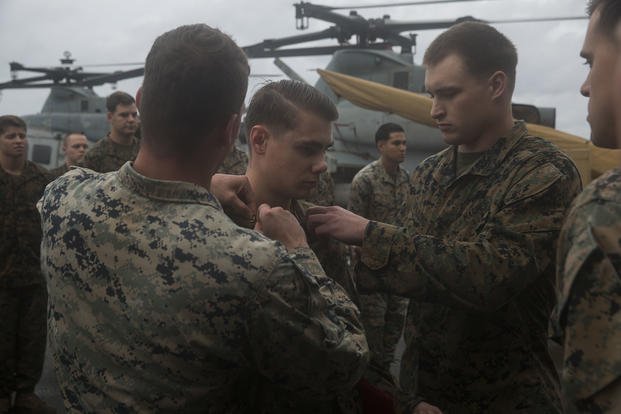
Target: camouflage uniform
point(235, 163)
point(23, 297)
point(106, 155)
point(332, 254)
point(477, 259)
point(60, 170)
point(378, 196)
point(587, 320)
point(160, 303)
point(324, 194)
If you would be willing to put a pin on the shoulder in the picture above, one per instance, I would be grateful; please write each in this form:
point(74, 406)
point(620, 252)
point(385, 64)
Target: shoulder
point(98, 146)
point(598, 206)
point(431, 163)
point(368, 172)
point(39, 173)
point(533, 152)
point(536, 167)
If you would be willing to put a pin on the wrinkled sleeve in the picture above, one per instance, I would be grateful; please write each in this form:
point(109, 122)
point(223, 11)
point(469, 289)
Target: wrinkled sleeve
point(360, 196)
point(305, 332)
point(588, 315)
point(512, 247)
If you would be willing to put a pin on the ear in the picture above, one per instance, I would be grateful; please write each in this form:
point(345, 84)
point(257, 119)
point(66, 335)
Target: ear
point(259, 136)
point(109, 116)
point(381, 144)
point(498, 84)
point(139, 96)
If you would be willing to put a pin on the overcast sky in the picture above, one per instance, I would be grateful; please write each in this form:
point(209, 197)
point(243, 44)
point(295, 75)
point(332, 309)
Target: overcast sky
point(37, 32)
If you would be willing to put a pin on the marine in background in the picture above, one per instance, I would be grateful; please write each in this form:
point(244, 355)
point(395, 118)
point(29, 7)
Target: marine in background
point(23, 294)
point(587, 319)
point(121, 144)
point(74, 147)
point(379, 192)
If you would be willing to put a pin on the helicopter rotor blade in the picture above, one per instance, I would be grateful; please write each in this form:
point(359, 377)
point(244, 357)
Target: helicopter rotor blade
point(541, 19)
point(112, 77)
point(406, 3)
point(103, 65)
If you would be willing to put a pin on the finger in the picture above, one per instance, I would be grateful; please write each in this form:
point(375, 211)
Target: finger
point(317, 210)
point(262, 211)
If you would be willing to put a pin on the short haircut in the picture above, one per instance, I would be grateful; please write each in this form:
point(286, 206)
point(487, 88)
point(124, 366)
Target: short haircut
point(118, 98)
point(384, 131)
point(66, 138)
point(609, 16)
point(483, 49)
point(7, 121)
point(277, 104)
point(195, 78)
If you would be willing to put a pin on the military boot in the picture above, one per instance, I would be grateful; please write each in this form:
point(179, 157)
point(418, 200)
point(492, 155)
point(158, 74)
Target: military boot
point(30, 403)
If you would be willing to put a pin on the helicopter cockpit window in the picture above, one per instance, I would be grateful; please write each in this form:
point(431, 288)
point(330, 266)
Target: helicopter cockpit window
point(401, 80)
point(42, 154)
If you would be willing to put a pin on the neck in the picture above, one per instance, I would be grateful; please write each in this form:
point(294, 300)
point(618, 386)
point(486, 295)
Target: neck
point(120, 139)
point(490, 136)
point(391, 167)
point(193, 168)
point(12, 165)
point(262, 192)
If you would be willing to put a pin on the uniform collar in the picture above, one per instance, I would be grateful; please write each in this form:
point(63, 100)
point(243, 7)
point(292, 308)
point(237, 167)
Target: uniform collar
point(445, 173)
point(384, 176)
point(171, 191)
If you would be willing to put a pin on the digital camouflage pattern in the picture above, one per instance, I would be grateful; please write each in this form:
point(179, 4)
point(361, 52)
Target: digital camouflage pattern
point(23, 301)
point(331, 253)
point(477, 259)
point(160, 303)
point(106, 155)
point(235, 162)
point(324, 194)
point(587, 320)
point(378, 196)
point(20, 225)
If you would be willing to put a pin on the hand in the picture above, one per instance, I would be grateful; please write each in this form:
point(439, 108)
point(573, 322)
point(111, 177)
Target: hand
point(279, 224)
point(338, 223)
point(424, 408)
point(236, 196)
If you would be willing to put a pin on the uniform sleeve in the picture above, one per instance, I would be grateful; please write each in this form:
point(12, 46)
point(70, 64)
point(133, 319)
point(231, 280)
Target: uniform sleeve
point(512, 247)
point(360, 196)
point(305, 333)
point(588, 315)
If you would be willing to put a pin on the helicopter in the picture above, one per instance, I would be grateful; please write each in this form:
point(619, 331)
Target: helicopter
point(372, 56)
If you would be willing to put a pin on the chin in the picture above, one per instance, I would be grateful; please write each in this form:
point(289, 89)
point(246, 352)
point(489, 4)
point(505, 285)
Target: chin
point(609, 141)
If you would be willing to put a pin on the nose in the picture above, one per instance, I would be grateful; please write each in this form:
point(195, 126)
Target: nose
point(437, 110)
point(585, 89)
point(320, 166)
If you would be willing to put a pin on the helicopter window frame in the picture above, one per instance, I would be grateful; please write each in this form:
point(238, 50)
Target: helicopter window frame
point(42, 154)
